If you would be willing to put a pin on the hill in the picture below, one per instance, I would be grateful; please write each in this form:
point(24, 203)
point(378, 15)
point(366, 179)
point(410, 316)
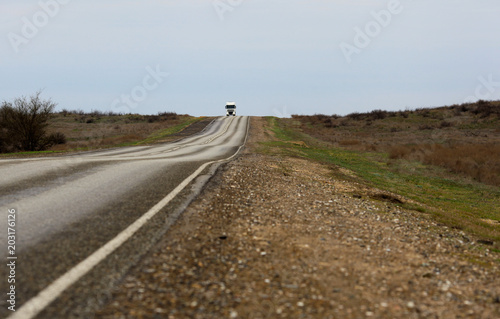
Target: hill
point(464, 139)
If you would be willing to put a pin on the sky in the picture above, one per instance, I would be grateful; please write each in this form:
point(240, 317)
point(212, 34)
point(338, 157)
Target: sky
point(272, 57)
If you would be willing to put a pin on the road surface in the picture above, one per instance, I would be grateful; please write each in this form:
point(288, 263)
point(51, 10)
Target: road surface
point(67, 208)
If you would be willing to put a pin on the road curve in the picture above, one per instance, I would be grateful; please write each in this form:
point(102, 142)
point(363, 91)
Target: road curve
point(68, 207)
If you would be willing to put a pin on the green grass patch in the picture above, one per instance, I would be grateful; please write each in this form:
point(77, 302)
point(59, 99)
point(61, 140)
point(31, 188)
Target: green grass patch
point(33, 153)
point(280, 131)
point(456, 202)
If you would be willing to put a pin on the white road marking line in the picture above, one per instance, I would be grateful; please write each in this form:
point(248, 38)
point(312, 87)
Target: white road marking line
point(38, 303)
point(221, 133)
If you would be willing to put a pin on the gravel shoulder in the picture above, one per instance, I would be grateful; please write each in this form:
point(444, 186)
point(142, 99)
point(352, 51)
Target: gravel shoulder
point(279, 237)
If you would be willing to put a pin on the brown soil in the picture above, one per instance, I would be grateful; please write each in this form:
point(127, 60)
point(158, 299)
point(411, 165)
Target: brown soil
point(278, 237)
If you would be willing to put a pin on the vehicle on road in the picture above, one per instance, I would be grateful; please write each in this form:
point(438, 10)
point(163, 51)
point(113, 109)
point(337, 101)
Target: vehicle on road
point(153, 184)
point(230, 109)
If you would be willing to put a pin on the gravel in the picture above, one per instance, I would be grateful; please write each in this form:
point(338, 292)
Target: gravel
point(279, 237)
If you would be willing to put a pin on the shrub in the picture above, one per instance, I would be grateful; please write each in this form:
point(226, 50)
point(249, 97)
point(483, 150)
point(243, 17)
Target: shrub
point(97, 113)
point(378, 114)
point(344, 123)
point(56, 139)
point(404, 114)
point(355, 116)
point(485, 109)
point(24, 123)
point(168, 115)
point(423, 112)
point(328, 123)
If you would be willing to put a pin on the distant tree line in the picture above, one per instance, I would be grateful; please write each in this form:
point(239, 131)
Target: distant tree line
point(23, 125)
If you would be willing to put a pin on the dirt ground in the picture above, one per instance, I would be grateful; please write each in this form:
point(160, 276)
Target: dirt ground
point(277, 237)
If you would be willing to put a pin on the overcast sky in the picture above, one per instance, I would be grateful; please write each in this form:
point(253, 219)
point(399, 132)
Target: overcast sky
point(272, 57)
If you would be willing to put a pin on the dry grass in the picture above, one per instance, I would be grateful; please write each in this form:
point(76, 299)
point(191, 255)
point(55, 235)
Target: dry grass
point(455, 201)
point(95, 130)
point(481, 162)
point(464, 139)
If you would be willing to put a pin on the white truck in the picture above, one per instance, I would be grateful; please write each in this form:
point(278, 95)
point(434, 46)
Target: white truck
point(230, 109)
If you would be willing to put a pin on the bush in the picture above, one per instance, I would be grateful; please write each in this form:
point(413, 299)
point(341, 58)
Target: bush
point(168, 115)
point(378, 114)
point(404, 114)
point(355, 116)
point(485, 109)
point(56, 138)
point(423, 112)
point(152, 118)
point(328, 123)
point(24, 123)
point(97, 113)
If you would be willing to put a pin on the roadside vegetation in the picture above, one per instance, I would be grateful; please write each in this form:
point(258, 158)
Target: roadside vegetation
point(449, 171)
point(96, 130)
point(29, 126)
point(463, 139)
point(23, 125)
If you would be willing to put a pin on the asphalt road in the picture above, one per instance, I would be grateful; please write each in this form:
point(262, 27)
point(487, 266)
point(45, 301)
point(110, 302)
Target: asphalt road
point(67, 208)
